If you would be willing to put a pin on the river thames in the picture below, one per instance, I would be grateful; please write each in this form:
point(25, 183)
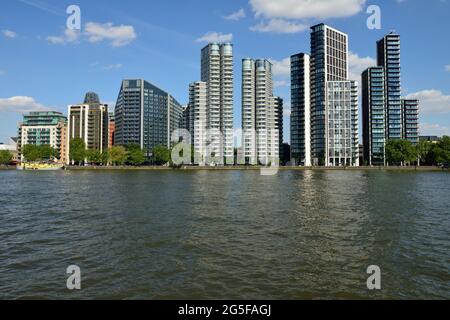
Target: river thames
point(224, 234)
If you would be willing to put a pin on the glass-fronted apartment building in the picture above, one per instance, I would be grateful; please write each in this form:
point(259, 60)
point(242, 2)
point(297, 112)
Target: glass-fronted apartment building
point(145, 115)
point(300, 110)
point(342, 134)
point(410, 108)
point(43, 128)
point(388, 57)
point(374, 116)
point(329, 62)
point(279, 111)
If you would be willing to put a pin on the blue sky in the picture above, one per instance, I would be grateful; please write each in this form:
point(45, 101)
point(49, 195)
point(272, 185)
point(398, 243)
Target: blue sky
point(42, 66)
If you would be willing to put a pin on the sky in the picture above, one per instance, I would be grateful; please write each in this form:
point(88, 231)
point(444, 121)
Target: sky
point(45, 66)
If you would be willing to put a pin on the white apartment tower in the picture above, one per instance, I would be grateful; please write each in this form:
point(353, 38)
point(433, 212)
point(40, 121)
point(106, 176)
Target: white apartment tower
point(89, 121)
point(198, 118)
point(342, 134)
point(217, 73)
point(260, 137)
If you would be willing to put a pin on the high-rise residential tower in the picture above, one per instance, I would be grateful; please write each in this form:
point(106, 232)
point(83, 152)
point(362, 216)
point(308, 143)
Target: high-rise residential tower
point(300, 110)
point(260, 118)
point(329, 62)
point(374, 116)
point(342, 134)
point(217, 73)
point(43, 128)
point(145, 115)
point(89, 121)
point(279, 107)
point(197, 119)
point(410, 108)
point(388, 57)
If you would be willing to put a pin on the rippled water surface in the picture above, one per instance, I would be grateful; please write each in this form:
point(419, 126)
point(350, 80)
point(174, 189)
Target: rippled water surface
point(224, 235)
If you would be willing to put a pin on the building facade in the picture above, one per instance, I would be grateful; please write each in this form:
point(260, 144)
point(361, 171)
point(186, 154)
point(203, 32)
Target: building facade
point(279, 107)
point(217, 73)
point(342, 134)
point(329, 62)
point(112, 129)
point(145, 115)
point(197, 119)
point(410, 109)
point(42, 128)
point(388, 57)
point(374, 116)
point(89, 122)
point(64, 151)
point(260, 113)
point(300, 110)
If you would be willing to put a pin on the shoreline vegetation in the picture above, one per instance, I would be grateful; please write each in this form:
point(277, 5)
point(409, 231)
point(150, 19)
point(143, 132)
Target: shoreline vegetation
point(244, 168)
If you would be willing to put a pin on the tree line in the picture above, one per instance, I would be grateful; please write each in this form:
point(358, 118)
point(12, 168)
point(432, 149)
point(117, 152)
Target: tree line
point(403, 152)
point(131, 154)
point(398, 152)
point(31, 153)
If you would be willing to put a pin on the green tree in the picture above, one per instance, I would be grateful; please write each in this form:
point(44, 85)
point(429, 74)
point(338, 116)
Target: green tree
point(5, 157)
point(393, 154)
point(423, 149)
point(430, 158)
point(400, 152)
point(444, 145)
point(161, 155)
point(46, 152)
point(31, 153)
point(105, 157)
point(117, 155)
point(95, 157)
point(136, 155)
point(77, 150)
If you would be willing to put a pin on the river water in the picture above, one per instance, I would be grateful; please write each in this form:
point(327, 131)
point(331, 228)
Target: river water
point(224, 234)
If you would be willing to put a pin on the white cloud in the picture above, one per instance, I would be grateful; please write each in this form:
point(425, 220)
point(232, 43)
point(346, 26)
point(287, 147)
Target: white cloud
point(56, 40)
point(430, 129)
point(118, 35)
point(20, 104)
point(113, 66)
point(279, 26)
point(282, 67)
point(215, 37)
point(306, 9)
point(69, 36)
point(287, 111)
point(447, 68)
point(281, 71)
point(95, 32)
point(9, 34)
point(357, 65)
point(432, 101)
point(280, 83)
point(235, 16)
